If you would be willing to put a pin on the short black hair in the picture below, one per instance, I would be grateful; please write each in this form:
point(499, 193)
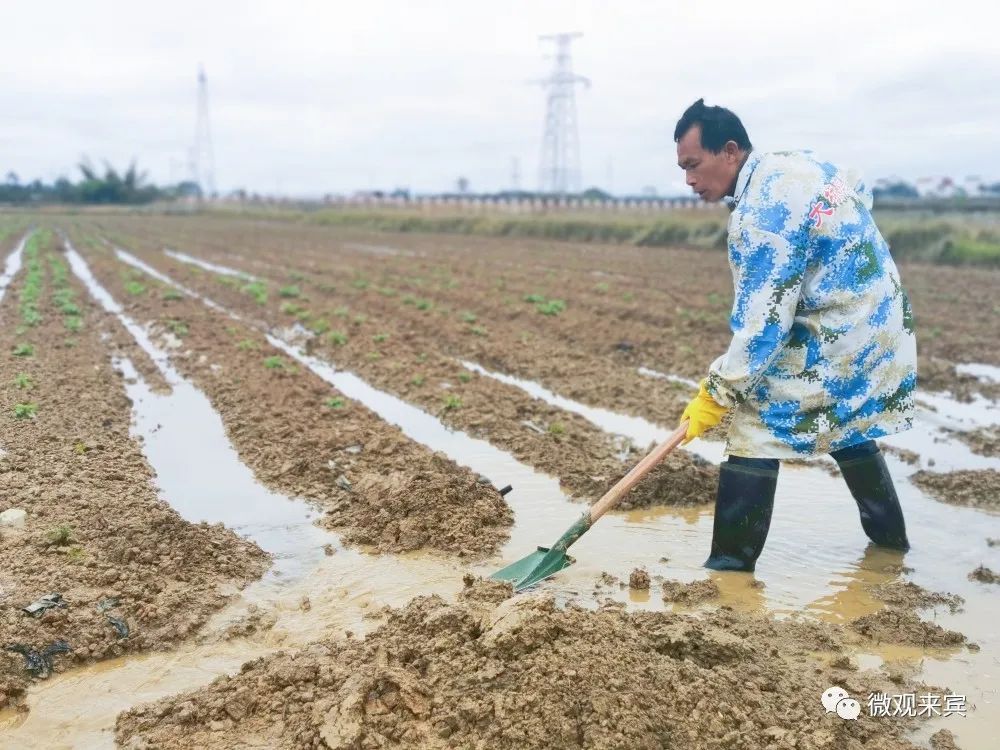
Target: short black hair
point(718, 126)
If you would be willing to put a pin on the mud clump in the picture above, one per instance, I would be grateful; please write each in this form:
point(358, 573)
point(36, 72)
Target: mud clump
point(434, 508)
point(984, 575)
point(903, 454)
point(639, 580)
point(908, 595)
point(905, 629)
point(526, 675)
point(943, 740)
point(984, 440)
point(694, 592)
point(972, 488)
point(680, 480)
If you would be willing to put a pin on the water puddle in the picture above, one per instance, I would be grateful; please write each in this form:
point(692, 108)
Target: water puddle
point(987, 373)
point(12, 265)
point(204, 264)
point(666, 376)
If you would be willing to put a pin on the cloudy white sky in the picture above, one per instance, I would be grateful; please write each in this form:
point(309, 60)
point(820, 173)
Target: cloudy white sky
point(315, 97)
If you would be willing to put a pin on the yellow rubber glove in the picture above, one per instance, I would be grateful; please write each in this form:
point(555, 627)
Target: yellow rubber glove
point(702, 413)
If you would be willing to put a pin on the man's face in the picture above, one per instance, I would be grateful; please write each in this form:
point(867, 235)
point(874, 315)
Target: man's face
point(711, 176)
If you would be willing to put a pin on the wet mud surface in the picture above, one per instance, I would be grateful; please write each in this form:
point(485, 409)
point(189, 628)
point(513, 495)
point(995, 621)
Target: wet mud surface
point(390, 355)
point(129, 573)
point(972, 488)
point(525, 674)
point(304, 438)
point(900, 627)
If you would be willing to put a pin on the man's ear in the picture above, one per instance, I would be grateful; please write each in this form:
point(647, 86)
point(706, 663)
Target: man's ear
point(732, 150)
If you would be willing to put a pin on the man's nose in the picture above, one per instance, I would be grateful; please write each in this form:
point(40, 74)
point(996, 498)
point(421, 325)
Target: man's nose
point(690, 179)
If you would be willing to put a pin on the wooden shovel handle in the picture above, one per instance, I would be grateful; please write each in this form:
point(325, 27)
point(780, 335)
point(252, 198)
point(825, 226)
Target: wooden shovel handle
point(627, 482)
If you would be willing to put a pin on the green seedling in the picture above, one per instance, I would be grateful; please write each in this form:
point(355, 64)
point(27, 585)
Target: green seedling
point(379, 338)
point(468, 317)
point(335, 403)
point(61, 536)
point(556, 428)
point(552, 307)
point(409, 299)
point(24, 350)
point(424, 304)
point(275, 363)
point(373, 355)
point(247, 345)
point(79, 448)
point(178, 327)
point(257, 290)
point(135, 288)
point(465, 377)
point(628, 296)
point(76, 555)
point(172, 294)
point(290, 308)
point(535, 299)
point(478, 330)
point(73, 323)
point(296, 276)
point(341, 312)
point(25, 411)
point(452, 402)
point(290, 291)
point(359, 284)
point(23, 381)
point(69, 308)
point(337, 337)
point(601, 287)
point(319, 327)
point(422, 357)
point(360, 318)
point(418, 380)
point(386, 291)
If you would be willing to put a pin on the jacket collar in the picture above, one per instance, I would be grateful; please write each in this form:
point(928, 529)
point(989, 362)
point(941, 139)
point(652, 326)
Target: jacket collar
point(743, 178)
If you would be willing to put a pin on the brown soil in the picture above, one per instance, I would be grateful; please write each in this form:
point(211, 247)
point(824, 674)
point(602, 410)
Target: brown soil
point(282, 425)
point(943, 740)
point(905, 628)
point(984, 575)
point(586, 459)
point(638, 579)
point(904, 455)
point(694, 592)
point(973, 488)
point(985, 440)
point(908, 595)
point(628, 305)
point(123, 557)
point(403, 510)
point(526, 674)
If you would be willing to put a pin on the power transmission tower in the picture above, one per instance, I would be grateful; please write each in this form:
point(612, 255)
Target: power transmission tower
point(559, 171)
point(202, 158)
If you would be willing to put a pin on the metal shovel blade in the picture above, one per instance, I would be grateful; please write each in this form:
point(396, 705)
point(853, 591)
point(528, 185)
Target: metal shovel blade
point(536, 567)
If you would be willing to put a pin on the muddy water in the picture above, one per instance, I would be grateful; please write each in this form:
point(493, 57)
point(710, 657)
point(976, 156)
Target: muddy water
point(816, 561)
point(12, 265)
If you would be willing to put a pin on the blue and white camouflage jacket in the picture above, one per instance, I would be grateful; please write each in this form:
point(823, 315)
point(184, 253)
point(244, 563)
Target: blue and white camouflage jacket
point(823, 353)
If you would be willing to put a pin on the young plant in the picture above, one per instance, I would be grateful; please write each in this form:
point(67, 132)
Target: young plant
point(359, 284)
point(73, 323)
point(290, 291)
point(335, 403)
point(556, 428)
point(24, 350)
point(452, 402)
point(135, 288)
point(379, 338)
point(275, 362)
point(25, 411)
point(552, 307)
point(247, 345)
point(418, 380)
point(290, 308)
point(337, 337)
point(60, 536)
point(172, 294)
point(257, 290)
point(468, 317)
point(23, 381)
point(478, 331)
point(535, 299)
point(424, 304)
point(464, 376)
point(178, 328)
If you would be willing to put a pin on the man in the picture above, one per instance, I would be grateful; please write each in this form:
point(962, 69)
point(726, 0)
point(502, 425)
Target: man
point(823, 355)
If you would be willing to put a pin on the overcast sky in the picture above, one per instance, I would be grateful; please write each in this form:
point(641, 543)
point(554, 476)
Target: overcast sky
point(315, 97)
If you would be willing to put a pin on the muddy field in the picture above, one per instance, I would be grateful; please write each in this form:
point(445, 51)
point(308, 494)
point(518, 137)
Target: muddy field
point(278, 455)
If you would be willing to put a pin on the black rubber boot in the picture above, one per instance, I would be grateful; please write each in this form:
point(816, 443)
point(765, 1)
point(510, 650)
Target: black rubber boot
point(742, 516)
point(868, 479)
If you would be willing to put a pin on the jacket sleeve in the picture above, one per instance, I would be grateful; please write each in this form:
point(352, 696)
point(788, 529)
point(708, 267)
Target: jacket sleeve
point(768, 254)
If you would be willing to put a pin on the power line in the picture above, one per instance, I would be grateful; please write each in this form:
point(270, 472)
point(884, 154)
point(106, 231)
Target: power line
point(559, 170)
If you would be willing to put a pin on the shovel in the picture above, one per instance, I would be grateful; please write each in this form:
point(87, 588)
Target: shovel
point(545, 561)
